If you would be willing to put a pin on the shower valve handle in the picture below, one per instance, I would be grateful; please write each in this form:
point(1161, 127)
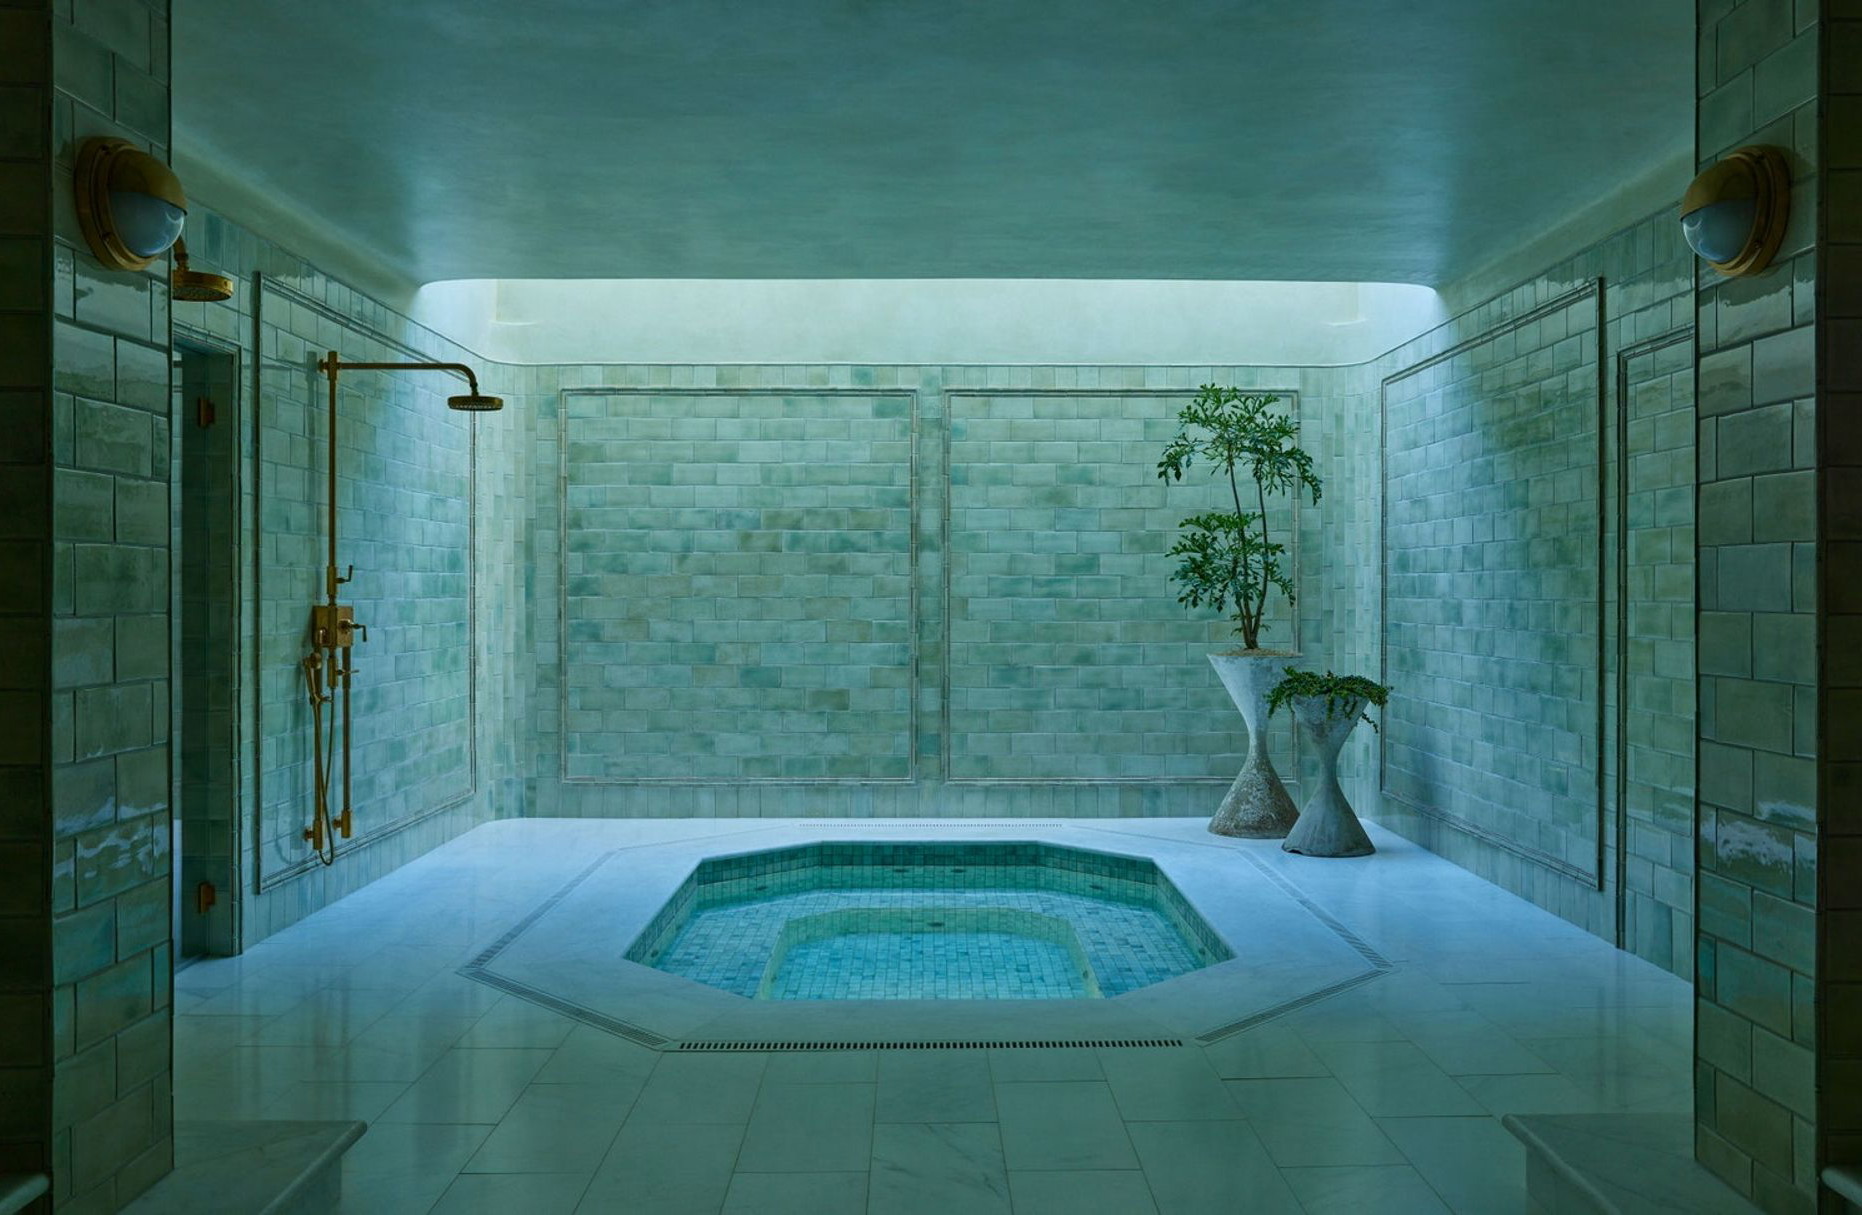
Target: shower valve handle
point(348, 626)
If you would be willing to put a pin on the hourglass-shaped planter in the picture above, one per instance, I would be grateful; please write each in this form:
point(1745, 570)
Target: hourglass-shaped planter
point(1327, 824)
point(1258, 805)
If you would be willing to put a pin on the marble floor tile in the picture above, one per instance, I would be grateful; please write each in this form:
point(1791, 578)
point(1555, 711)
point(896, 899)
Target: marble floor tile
point(1270, 1051)
point(1394, 1079)
point(1374, 1190)
point(506, 1193)
point(1205, 1168)
point(809, 1128)
point(517, 1023)
point(1312, 1122)
point(656, 1168)
point(1474, 1164)
point(479, 1100)
point(1062, 1125)
point(594, 1056)
point(935, 1168)
point(935, 1086)
point(1060, 1063)
point(556, 1128)
point(1165, 1085)
point(468, 1086)
point(398, 1168)
point(796, 1194)
point(1081, 1192)
point(317, 1101)
point(822, 1067)
point(717, 1088)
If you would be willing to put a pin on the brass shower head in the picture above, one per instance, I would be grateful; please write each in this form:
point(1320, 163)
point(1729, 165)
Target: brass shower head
point(471, 401)
point(196, 285)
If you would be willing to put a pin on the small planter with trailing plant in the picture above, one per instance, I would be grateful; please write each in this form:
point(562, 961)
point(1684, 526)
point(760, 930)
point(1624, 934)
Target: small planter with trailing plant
point(1328, 707)
point(1228, 560)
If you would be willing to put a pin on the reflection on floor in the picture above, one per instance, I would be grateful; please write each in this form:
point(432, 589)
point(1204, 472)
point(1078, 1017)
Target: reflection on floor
point(1382, 1099)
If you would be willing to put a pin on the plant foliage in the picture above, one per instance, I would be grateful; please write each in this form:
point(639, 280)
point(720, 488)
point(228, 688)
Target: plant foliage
point(1337, 690)
point(1226, 559)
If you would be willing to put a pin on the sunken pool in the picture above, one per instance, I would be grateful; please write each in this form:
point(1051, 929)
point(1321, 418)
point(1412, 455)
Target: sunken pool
point(928, 921)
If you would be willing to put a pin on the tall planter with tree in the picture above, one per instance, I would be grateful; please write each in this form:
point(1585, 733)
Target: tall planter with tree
point(1228, 560)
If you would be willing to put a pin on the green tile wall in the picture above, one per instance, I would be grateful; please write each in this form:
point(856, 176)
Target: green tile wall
point(738, 579)
point(750, 592)
point(1538, 570)
point(1492, 595)
point(109, 726)
point(1758, 696)
point(429, 514)
point(1069, 658)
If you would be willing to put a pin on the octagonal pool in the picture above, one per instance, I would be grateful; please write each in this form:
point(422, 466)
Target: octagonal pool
point(917, 921)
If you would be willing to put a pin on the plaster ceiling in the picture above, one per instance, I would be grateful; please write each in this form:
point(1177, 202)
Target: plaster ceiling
point(1338, 140)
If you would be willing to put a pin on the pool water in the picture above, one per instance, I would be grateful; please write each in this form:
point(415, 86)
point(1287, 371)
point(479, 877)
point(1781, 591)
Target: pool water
point(903, 922)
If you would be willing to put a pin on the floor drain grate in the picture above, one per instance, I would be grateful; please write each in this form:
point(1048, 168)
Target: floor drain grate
point(980, 1044)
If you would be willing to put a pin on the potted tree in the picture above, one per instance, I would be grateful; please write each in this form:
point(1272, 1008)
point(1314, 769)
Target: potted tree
point(1328, 707)
point(1229, 561)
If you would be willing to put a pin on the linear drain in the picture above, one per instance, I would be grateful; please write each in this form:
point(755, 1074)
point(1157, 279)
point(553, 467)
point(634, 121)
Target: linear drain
point(955, 824)
point(1030, 1044)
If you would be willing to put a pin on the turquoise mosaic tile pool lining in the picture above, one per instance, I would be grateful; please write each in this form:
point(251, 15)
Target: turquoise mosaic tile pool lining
point(927, 921)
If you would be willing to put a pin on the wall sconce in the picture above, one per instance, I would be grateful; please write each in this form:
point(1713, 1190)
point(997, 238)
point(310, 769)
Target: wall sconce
point(130, 205)
point(1734, 213)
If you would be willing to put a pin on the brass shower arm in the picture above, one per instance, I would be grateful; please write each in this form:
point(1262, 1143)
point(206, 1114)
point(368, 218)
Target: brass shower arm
point(332, 364)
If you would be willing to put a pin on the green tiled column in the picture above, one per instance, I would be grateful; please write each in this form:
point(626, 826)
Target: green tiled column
point(1839, 459)
point(1760, 810)
point(83, 548)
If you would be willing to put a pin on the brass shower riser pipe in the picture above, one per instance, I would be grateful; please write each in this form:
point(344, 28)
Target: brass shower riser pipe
point(328, 670)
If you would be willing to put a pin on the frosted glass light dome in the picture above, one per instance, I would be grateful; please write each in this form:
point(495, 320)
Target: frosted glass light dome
point(147, 225)
point(1719, 230)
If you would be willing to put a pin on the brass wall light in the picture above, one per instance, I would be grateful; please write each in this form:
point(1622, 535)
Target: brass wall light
point(1734, 213)
point(130, 205)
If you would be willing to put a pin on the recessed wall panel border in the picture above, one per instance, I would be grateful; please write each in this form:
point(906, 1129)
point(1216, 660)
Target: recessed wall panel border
point(1592, 291)
point(910, 397)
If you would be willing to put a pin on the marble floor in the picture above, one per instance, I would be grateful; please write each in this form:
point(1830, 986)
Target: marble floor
point(1383, 1098)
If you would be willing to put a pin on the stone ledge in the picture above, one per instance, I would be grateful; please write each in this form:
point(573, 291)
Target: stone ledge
point(267, 1168)
point(1618, 1164)
point(1845, 1181)
point(17, 1190)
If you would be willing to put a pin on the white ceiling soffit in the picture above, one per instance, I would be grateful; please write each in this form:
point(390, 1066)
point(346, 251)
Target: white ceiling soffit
point(1331, 140)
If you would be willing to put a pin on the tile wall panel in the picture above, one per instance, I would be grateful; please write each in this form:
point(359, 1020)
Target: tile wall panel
point(1069, 659)
point(738, 585)
point(1492, 587)
point(1579, 453)
point(1757, 694)
point(430, 514)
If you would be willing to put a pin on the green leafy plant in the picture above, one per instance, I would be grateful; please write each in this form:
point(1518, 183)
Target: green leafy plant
point(1227, 559)
point(1338, 691)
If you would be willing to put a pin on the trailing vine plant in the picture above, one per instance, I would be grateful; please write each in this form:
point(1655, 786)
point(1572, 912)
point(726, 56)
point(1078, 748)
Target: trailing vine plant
point(1338, 691)
point(1227, 559)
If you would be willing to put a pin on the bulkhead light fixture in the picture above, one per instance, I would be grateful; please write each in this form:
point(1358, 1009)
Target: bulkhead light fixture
point(1734, 214)
point(130, 205)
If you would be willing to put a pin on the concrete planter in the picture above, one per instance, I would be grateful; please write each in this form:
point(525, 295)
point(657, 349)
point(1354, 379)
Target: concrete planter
point(1327, 825)
point(1257, 805)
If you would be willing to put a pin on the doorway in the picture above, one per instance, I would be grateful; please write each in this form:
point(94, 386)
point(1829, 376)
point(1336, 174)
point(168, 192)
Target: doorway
point(204, 481)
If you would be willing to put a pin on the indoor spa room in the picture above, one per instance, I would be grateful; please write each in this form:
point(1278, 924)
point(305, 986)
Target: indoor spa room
point(824, 607)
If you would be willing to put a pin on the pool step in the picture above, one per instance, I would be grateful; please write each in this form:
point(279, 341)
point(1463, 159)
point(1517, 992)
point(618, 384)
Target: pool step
point(1618, 1164)
point(17, 1190)
point(265, 1168)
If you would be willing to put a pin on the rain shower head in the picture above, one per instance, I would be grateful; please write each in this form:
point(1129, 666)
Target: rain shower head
point(196, 286)
point(474, 403)
point(471, 401)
